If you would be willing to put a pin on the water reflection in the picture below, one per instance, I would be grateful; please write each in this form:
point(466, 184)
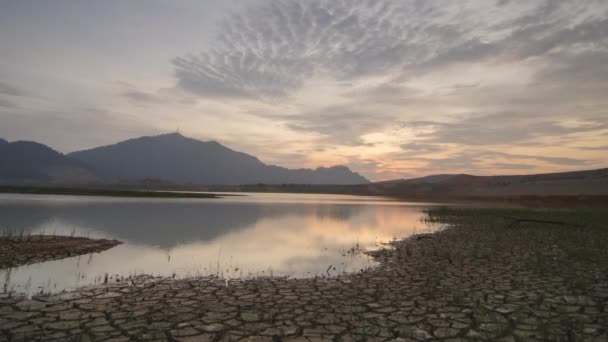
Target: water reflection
point(295, 235)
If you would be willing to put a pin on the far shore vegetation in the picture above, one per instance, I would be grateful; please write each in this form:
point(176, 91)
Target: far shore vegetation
point(78, 191)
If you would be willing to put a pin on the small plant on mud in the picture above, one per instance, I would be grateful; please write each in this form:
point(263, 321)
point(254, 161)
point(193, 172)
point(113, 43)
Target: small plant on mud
point(432, 283)
point(459, 294)
point(545, 331)
point(576, 281)
point(408, 250)
point(574, 328)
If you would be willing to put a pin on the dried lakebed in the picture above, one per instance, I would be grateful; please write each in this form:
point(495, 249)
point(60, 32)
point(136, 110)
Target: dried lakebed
point(24, 250)
point(495, 275)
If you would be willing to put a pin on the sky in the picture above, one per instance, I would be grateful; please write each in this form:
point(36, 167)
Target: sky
point(390, 88)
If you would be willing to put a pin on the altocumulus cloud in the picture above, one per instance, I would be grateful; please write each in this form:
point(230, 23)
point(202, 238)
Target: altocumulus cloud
point(270, 50)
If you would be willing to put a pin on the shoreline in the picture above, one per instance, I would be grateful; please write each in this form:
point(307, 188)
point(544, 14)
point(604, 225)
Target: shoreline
point(574, 202)
point(494, 274)
point(102, 192)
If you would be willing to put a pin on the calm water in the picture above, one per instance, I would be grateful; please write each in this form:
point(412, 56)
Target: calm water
point(296, 235)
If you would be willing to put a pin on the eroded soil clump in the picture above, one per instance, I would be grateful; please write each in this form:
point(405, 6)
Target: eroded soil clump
point(23, 250)
point(495, 275)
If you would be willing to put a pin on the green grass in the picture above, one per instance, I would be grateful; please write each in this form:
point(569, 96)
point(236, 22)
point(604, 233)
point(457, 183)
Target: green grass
point(596, 218)
point(581, 235)
point(550, 254)
point(14, 235)
point(569, 246)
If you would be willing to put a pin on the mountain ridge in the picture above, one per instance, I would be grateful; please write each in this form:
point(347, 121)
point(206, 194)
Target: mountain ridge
point(174, 157)
point(29, 161)
point(216, 164)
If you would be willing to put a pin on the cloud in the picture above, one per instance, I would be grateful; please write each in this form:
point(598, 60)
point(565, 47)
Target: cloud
point(142, 97)
point(421, 148)
point(531, 41)
point(514, 166)
point(7, 104)
point(338, 125)
point(503, 129)
point(272, 49)
point(574, 76)
point(480, 161)
point(594, 148)
point(387, 93)
point(10, 90)
point(67, 130)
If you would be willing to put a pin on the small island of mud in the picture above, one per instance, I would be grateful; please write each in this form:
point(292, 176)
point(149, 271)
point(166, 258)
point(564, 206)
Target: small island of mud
point(24, 250)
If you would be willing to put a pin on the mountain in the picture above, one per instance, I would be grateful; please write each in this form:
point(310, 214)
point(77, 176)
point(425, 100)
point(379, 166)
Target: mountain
point(31, 162)
point(175, 158)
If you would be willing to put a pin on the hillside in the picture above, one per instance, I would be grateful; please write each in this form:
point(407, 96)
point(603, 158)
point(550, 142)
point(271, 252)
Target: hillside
point(589, 183)
point(175, 158)
point(31, 162)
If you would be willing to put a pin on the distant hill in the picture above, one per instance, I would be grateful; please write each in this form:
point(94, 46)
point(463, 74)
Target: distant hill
point(175, 158)
point(174, 161)
point(31, 162)
point(593, 182)
point(422, 180)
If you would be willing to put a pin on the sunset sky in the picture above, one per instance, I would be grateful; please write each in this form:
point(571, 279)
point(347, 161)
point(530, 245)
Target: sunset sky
point(392, 89)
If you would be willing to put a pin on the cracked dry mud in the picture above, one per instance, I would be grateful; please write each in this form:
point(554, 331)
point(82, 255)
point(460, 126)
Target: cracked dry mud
point(475, 281)
point(17, 251)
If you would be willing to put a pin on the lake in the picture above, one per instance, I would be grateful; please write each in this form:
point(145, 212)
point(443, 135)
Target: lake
point(296, 235)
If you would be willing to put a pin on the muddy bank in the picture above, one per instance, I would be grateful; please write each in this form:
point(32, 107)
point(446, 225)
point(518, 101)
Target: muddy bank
point(23, 250)
point(496, 275)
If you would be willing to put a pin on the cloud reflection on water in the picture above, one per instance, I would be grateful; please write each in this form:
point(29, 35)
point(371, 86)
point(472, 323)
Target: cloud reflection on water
point(253, 236)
